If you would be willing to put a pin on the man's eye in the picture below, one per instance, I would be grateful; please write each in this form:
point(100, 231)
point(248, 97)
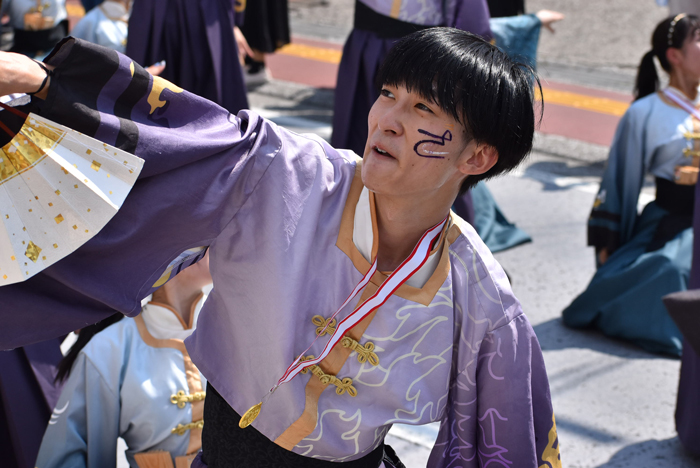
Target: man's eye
point(386, 93)
point(423, 107)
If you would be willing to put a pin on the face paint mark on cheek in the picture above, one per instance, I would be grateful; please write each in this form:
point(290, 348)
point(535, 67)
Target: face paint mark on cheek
point(423, 147)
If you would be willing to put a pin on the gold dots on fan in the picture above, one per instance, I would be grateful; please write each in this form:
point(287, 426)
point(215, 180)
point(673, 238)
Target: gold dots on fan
point(58, 192)
point(55, 246)
point(88, 152)
point(4, 277)
point(95, 166)
point(76, 186)
point(32, 252)
point(65, 171)
point(30, 210)
point(50, 204)
point(59, 219)
point(75, 226)
point(13, 258)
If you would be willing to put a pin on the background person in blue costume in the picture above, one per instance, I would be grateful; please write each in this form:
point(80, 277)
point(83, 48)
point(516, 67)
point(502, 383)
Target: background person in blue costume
point(107, 24)
point(644, 257)
point(133, 379)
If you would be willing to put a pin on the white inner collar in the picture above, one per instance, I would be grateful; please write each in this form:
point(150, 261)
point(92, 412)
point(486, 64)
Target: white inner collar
point(114, 10)
point(163, 324)
point(363, 238)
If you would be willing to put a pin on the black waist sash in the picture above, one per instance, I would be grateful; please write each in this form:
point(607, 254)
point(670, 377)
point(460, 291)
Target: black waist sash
point(31, 42)
point(385, 27)
point(225, 445)
point(679, 201)
point(675, 198)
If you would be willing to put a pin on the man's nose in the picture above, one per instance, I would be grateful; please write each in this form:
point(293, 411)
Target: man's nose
point(391, 120)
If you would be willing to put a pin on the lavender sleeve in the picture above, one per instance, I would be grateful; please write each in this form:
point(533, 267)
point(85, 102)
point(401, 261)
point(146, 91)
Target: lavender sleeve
point(201, 164)
point(469, 15)
point(501, 413)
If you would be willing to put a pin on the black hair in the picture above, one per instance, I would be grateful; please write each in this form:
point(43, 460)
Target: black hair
point(85, 335)
point(668, 33)
point(491, 95)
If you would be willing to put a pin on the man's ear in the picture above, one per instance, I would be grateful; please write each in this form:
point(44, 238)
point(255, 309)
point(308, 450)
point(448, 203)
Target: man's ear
point(483, 158)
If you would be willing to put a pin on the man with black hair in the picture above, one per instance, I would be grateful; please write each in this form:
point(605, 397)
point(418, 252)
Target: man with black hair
point(328, 271)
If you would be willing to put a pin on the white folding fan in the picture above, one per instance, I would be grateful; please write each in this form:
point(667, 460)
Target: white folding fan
point(58, 188)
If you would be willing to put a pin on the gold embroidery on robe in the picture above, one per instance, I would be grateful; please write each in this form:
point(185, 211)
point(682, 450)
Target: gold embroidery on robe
point(160, 84)
point(550, 455)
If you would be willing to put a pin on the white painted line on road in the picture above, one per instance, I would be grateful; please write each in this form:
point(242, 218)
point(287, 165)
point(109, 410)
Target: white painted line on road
point(420, 435)
point(296, 124)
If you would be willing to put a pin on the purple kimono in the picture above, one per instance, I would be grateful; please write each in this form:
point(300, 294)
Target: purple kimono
point(195, 38)
point(290, 227)
point(688, 404)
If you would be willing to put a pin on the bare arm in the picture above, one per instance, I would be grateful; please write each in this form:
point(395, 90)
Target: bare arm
point(20, 74)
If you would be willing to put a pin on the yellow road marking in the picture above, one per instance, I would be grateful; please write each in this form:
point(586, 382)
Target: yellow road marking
point(582, 101)
point(312, 53)
point(75, 10)
point(551, 96)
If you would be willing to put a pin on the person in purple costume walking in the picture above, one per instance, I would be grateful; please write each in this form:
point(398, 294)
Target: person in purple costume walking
point(198, 41)
point(346, 297)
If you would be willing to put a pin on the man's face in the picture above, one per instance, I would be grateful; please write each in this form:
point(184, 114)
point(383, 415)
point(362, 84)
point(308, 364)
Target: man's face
point(413, 147)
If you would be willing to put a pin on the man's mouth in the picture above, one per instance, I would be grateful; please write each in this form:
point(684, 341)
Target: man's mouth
point(382, 152)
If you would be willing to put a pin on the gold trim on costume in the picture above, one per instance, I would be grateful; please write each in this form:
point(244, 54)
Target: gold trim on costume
point(395, 8)
point(343, 385)
point(345, 243)
point(333, 363)
point(194, 381)
point(181, 398)
point(182, 428)
point(364, 353)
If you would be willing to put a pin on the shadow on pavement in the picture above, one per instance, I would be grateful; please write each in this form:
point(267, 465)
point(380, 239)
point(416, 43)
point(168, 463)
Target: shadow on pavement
point(554, 335)
point(598, 435)
point(560, 175)
point(653, 453)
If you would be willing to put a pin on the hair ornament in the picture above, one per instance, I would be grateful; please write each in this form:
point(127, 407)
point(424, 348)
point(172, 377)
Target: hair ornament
point(672, 27)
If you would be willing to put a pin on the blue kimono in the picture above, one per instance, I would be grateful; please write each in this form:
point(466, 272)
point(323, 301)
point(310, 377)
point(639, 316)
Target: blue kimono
point(133, 380)
point(650, 252)
point(106, 25)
